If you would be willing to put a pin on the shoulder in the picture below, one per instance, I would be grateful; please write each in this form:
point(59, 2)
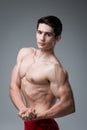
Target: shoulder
point(56, 66)
point(23, 52)
point(58, 73)
point(60, 70)
point(61, 75)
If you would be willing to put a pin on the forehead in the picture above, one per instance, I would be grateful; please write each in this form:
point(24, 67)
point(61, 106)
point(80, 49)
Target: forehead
point(45, 28)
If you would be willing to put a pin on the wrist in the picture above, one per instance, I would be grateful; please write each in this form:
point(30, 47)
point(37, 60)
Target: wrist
point(22, 108)
point(42, 115)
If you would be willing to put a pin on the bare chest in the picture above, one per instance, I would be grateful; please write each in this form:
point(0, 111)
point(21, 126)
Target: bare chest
point(34, 72)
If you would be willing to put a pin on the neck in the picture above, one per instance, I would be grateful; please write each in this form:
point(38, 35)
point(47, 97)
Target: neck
point(44, 53)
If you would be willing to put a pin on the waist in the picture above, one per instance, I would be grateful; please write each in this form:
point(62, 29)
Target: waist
point(39, 107)
point(42, 123)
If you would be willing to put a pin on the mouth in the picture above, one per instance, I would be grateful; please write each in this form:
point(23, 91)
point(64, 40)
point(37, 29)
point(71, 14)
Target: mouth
point(41, 43)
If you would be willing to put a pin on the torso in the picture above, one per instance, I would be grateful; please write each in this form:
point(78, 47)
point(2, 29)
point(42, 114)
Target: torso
point(34, 83)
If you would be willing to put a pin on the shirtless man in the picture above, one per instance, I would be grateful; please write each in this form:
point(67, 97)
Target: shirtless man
point(39, 77)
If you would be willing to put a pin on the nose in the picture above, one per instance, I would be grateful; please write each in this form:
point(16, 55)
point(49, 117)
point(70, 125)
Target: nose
point(42, 37)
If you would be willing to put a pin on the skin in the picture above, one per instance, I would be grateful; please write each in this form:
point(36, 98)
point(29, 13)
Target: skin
point(38, 80)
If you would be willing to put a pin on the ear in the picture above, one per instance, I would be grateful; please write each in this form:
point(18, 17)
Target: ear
point(58, 38)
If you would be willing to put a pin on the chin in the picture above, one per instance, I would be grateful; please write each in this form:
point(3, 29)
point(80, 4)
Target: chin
point(41, 47)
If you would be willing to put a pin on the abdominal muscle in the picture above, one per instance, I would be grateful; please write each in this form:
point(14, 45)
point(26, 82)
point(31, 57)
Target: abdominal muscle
point(38, 97)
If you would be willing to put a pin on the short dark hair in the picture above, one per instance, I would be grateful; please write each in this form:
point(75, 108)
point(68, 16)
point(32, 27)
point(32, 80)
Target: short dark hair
point(52, 21)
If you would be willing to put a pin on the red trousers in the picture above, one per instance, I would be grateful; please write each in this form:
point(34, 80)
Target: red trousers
point(44, 124)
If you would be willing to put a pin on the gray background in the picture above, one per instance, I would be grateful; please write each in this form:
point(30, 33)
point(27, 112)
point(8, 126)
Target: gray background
point(17, 29)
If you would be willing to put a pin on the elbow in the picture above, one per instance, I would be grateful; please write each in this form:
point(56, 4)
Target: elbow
point(72, 107)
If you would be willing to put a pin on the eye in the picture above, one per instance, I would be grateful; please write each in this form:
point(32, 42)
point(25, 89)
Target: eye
point(49, 34)
point(39, 32)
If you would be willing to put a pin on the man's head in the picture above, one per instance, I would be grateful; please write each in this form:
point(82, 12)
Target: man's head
point(53, 22)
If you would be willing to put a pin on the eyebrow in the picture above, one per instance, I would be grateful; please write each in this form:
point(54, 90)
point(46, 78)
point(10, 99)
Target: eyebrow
point(46, 32)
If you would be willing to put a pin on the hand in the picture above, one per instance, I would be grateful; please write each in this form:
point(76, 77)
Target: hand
point(30, 114)
point(22, 112)
point(27, 114)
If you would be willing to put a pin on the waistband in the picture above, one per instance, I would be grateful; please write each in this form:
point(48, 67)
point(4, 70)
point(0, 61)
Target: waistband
point(43, 124)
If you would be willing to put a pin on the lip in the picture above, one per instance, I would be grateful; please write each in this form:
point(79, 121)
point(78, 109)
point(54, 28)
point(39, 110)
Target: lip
point(41, 43)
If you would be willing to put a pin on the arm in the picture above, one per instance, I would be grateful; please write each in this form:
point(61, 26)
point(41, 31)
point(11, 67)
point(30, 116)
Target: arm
point(15, 92)
point(15, 88)
point(15, 84)
point(61, 89)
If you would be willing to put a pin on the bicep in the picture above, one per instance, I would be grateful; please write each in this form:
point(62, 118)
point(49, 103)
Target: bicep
point(60, 86)
point(15, 79)
point(65, 92)
point(62, 92)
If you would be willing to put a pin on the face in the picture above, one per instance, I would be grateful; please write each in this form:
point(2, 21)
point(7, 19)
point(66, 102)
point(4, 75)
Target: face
point(45, 37)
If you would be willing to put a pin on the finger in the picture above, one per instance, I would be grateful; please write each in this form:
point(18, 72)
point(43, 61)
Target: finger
point(23, 116)
point(27, 114)
point(21, 113)
point(32, 116)
point(26, 119)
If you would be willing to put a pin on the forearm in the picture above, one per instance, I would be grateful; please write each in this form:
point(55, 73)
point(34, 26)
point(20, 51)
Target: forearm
point(16, 98)
point(60, 109)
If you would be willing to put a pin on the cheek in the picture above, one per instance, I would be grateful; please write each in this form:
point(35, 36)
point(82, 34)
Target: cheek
point(37, 36)
point(50, 40)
